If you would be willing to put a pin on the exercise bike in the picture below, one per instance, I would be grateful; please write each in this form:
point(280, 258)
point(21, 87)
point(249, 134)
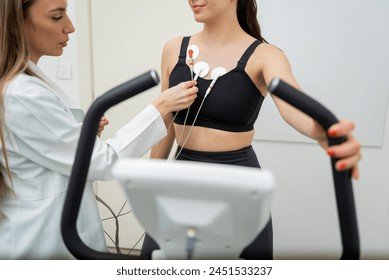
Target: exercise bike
point(179, 238)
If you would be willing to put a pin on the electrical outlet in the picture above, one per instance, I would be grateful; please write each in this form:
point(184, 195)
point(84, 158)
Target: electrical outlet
point(65, 72)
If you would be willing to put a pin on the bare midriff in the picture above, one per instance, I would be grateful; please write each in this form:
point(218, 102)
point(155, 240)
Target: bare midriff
point(212, 140)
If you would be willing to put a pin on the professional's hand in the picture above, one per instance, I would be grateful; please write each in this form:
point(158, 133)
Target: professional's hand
point(176, 98)
point(103, 122)
point(349, 152)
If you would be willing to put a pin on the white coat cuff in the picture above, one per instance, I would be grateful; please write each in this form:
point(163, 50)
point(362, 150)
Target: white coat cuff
point(139, 135)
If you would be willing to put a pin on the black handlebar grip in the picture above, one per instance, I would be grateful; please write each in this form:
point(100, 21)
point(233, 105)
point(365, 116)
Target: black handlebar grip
point(342, 179)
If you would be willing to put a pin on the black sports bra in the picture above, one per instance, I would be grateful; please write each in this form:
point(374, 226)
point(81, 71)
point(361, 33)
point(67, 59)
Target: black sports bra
point(232, 105)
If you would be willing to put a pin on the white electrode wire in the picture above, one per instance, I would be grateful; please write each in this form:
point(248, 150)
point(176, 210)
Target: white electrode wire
point(187, 112)
point(175, 115)
point(191, 68)
point(185, 120)
point(159, 144)
point(190, 53)
point(197, 114)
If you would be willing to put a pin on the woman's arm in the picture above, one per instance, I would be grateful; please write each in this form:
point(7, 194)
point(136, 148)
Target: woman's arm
point(163, 149)
point(276, 64)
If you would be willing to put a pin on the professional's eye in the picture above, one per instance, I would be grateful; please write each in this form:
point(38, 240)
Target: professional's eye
point(57, 18)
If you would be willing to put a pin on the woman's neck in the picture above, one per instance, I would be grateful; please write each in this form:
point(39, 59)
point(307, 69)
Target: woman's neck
point(222, 32)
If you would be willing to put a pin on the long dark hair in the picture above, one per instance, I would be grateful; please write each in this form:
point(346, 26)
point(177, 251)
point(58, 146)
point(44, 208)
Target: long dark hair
point(14, 56)
point(247, 17)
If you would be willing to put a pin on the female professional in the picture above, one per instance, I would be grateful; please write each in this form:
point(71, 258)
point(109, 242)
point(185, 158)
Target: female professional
point(219, 128)
point(40, 131)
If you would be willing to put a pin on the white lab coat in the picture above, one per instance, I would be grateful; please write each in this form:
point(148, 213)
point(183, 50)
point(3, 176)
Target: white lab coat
point(42, 133)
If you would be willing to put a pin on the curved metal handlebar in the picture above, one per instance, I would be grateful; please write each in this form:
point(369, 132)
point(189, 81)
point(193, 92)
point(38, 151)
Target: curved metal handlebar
point(342, 180)
point(82, 160)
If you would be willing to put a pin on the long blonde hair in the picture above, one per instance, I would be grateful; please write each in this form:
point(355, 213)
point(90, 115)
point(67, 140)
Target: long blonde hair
point(14, 56)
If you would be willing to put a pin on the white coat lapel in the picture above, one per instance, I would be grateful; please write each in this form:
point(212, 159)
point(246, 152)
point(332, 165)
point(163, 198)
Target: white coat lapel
point(77, 112)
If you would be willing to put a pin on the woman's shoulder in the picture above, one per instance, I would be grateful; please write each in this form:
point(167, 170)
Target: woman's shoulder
point(173, 44)
point(269, 49)
point(267, 52)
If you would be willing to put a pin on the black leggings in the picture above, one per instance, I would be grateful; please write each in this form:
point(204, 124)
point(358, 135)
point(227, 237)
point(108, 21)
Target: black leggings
point(262, 246)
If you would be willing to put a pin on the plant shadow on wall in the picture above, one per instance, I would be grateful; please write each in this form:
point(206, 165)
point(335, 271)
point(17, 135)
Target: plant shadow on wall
point(115, 216)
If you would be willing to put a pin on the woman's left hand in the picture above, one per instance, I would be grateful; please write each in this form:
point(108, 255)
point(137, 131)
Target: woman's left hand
point(103, 122)
point(349, 152)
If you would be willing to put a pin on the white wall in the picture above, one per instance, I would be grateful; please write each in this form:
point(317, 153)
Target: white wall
point(337, 58)
point(124, 38)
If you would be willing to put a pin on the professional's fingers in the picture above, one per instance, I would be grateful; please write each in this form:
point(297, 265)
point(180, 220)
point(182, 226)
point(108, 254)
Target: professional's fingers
point(103, 122)
point(188, 84)
point(187, 94)
point(180, 87)
point(188, 90)
point(176, 98)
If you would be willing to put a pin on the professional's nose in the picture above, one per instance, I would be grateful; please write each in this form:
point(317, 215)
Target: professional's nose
point(69, 28)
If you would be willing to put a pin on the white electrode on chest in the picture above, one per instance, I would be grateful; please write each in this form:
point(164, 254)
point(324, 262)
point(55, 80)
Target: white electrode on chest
point(201, 68)
point(218, 72)
point(192, 52)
